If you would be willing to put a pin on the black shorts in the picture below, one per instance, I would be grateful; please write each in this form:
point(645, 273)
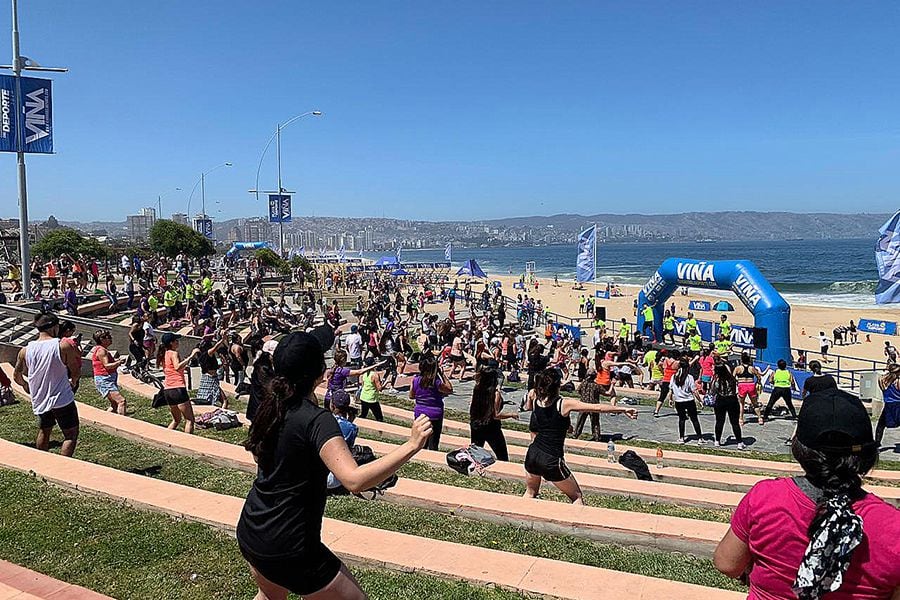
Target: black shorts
point(66, 417)
point(542, 464)
point(176, 396)
point(302, 575)
point(457, 359)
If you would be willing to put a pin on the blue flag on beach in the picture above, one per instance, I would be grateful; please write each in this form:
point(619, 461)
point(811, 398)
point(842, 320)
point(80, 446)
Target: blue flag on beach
point(399, 249)
point(448, 251)
point(342, 255)
point(585, 267)
point(887, 257)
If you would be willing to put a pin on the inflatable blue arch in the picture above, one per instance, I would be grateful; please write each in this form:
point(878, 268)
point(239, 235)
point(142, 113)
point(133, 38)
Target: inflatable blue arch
point(769, 308)
point(238, 246)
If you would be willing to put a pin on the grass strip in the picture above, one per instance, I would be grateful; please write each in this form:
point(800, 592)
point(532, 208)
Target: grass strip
point(133, 555)
point(105, 449)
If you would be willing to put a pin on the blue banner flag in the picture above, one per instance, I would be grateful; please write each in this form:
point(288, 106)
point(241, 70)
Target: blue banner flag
point(279, 208)
point(342, 255)
point(887, 258)
point(204, 227)
point(26, 118)
point(448, 251)
point(585, 267)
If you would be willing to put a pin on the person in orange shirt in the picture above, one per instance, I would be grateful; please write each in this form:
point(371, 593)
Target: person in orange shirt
point(174, 386)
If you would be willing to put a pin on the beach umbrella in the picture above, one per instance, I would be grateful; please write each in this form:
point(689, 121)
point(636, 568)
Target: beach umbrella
point(723, 306)
point(399, 272)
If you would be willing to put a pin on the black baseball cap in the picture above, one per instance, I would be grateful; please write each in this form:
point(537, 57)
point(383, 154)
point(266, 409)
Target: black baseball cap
point(169, 337)
point(340, 399)
point(45, 321)
point(300, 355)
point(836, 421)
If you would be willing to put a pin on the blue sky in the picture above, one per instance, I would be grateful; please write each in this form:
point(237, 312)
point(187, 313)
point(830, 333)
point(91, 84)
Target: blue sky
point(467, 109)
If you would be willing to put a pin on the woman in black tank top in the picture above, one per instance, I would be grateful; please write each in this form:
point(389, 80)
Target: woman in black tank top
point(550, 421)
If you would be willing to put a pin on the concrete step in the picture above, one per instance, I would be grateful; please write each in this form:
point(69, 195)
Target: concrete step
point(357, 544)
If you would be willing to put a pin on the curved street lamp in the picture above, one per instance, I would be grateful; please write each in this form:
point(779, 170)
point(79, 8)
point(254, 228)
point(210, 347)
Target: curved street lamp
point(159, 198)
point(277, 138)
point(202, 183)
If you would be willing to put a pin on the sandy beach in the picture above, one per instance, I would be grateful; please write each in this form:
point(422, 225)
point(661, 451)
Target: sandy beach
point(805, 320)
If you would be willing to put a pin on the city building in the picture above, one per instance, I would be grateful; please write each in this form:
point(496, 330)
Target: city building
point(180, 218)
point(138, 226)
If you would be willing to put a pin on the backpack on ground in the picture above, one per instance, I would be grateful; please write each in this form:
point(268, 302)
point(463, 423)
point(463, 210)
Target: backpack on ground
point(6, 396)
point(567, 387)
point(219, 419)
point(630, 460)
point(363, 455)
point(473, 459)
point(514, 376)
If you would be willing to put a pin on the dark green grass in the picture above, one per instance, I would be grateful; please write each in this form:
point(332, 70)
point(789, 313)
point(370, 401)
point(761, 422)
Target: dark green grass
point(135, 555)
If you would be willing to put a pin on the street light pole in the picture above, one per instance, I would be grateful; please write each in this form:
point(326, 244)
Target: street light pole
point(25, 251)
point(203, 194)
point(159, 214)
point(277, 138)
point(19, 63)
point(202, 183)
point(280, 190)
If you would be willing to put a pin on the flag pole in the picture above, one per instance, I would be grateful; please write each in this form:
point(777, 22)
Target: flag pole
point(595, 254)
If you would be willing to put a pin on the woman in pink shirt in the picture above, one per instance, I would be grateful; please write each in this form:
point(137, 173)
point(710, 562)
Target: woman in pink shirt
point(819, 535)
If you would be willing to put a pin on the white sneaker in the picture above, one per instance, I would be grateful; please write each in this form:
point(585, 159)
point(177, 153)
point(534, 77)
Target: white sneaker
point(716, 443)
point(681, 440)
point(741, 446)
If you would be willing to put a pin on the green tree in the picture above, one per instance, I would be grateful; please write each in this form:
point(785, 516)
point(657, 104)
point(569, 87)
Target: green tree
point(302, 263)
point(170, 238)
point(68, 241)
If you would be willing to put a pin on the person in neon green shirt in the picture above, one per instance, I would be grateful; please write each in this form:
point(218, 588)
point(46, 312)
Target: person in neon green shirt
point(782, 384)
point(690, 325)
point(624, 330)
point(668, 327)
point(169, 298)
point(153, 302)
point(189, 291)
point(207, 285)
point(655, 369)
point(723, 346)
point(695, 342)
point(725, 327)
point(647, 313)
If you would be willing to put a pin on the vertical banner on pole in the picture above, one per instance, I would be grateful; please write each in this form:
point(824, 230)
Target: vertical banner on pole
point(204, 227)
point(30, 115)
point(585, 265)
point(279, 208)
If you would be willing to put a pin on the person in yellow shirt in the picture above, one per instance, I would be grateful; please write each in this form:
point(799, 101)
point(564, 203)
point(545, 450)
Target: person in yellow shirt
point(647, 313)
point(624, 331)
point(668, 327)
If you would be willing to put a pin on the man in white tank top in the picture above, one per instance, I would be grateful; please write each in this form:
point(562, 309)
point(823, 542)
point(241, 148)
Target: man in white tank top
point(48, 369)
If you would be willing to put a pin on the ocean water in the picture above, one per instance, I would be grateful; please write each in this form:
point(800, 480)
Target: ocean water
point(823, 272)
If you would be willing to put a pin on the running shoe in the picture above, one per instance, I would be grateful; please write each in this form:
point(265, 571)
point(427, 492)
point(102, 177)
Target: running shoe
point(741, 446)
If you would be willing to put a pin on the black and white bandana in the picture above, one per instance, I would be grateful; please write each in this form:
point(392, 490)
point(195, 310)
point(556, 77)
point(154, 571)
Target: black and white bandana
point(828, 554)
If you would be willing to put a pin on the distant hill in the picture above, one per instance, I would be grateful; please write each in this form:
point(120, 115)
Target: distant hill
point(735, 225)
point(562, 228)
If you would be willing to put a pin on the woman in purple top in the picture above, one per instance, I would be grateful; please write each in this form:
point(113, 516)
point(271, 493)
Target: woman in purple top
point(428, 389)
point(337, 375)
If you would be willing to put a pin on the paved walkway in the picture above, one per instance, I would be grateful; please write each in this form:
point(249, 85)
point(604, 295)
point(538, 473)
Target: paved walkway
point(19, 583)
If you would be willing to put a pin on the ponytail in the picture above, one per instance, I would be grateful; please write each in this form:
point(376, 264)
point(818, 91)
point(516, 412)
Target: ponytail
point(836, 530)
point(682, 373)
point(268, 421)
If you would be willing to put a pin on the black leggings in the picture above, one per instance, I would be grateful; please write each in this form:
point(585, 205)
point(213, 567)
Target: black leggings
point(492, 434)
point(687, 410)
point(880, 427)
point(784, 394)
point(663, 391)
point(730, 407)
point(434, 442)
point(375, 407)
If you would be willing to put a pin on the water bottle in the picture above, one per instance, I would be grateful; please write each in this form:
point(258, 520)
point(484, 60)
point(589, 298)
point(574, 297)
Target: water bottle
point(659, 458)
point(611, 452)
